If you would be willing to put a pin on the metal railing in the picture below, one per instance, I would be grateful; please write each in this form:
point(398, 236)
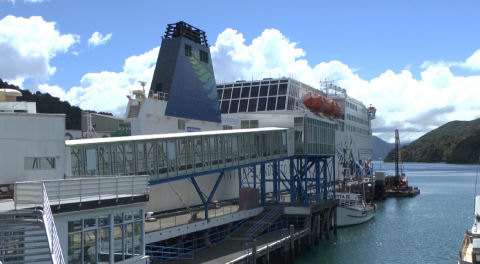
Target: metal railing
point(79, 190)
point(51, 231)
point(267, 219)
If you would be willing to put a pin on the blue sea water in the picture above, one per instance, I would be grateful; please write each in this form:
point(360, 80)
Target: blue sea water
point(426, 229)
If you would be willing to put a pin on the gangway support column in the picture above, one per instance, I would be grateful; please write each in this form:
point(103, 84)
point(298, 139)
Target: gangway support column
point(292, 182)
point(276, 190)
point(325, 179)
point(317, 181)
point(262, 183)
point(207, 202)
point(305, 176)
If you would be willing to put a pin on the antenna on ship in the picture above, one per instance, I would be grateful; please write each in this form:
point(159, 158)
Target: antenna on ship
point(143, 83)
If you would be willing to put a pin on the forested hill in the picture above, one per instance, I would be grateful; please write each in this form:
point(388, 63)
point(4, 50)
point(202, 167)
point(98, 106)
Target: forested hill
point(454, 142)
point(51, 105)
point(381, 148)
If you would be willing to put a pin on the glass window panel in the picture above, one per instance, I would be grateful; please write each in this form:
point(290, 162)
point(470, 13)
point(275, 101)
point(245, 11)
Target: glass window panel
point(282, 90)
point(271, 103)
point(254, 91)
point(75, 248)
point(273, 90)
point(104, 247)
point(262, 104)
point(233, 106)
point(129, 240)
point(253, 123)
point(137, 215)
point(219, 93)
point(128, 216)
point(228, 85)
point(118, 243)
point(227, 93)
point(74, 225)
point(245, 92)
point(264, 90)
point(118, 218)
point(90, 246)
point(90, 222)
point(236, 93)
point(252, 105)
point(225, 106)
point(281, 103)
point(243, 105)
point(137, 240)
point(244, 124)
point(104, 221)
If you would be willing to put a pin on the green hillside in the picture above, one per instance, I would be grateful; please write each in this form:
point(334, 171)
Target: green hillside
point(454, 142)
point(51, 105)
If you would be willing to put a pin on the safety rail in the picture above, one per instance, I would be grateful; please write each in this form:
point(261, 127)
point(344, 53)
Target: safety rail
point(165, 254)
point(265, 220)
point(51, 231)
point(79, 189)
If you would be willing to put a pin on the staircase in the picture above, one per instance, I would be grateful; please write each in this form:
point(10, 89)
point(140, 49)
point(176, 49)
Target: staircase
point(23, 237)
point(260, 223)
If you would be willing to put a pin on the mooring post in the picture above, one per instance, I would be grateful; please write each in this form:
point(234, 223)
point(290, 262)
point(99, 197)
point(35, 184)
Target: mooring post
point(335, 220)
point(254, 251)
point(268, 254)
point(292, 242)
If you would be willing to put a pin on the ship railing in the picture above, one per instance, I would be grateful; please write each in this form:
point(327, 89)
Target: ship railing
point(80, 189)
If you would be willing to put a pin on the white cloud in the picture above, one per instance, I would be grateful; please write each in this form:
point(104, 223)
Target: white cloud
point(415, 106)
point(27, 45)
point(106, 91)
point(97, 39)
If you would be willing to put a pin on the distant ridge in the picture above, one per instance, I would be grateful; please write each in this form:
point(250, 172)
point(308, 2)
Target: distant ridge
point(453, 142)
point(381, 148)
point(51, 105)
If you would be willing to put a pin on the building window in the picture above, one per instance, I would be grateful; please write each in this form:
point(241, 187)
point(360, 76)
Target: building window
point(188, 50)
point(181, 124)
point(89, 238)
point(39, 163)
point(203, 56)
point(249, 124)
point(227, 127)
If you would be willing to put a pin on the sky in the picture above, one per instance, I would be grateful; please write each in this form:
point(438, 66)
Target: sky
point(417, 62)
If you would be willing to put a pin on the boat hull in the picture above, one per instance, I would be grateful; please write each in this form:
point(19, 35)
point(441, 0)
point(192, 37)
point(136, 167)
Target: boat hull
point(347, 216)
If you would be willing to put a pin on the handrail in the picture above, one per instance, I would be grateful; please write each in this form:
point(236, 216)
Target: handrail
point(266, 219)
point(51, 231)
point(64, 190)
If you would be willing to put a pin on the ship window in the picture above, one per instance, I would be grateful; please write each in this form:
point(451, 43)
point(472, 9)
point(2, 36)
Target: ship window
point(244, 124)
point(203, 56)
point(271, 103)
point(262, 104)
point(233, 106)
point(274, 81)
point(245, 92)
point(252, 105)
point(255, 83)
point(227, 93)
point(243, 105)
point(227, 127)
point(228, 85)
point(225, 105)
point(219, 93)
point(254, 91)
point(188, 50)
point(282, 89)
point(264, 90)
point(291, 103)
point(181, 124)
point(236, 93)
point(273, 90)
point(281, 103)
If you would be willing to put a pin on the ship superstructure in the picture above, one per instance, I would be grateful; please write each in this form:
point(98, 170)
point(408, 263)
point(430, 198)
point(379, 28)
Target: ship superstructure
point(286, 102)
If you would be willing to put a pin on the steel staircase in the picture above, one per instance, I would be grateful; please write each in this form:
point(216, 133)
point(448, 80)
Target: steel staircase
point(260, 223)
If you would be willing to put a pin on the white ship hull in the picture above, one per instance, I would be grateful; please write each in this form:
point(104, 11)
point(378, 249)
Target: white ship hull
point(347, 216)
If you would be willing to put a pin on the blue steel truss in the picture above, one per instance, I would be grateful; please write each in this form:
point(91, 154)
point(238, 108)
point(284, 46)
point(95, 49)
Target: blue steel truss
point(304, 178)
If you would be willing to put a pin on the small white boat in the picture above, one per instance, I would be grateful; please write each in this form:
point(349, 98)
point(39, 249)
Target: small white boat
point(352, 210)
point(470, 249)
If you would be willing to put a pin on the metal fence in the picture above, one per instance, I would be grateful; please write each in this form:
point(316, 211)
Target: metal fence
point(80, 189)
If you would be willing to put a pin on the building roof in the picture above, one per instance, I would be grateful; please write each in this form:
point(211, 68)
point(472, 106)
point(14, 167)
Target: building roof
point(75, 142)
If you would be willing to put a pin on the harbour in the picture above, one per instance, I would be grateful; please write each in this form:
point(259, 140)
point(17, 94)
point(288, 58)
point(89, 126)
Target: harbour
point(263, 171)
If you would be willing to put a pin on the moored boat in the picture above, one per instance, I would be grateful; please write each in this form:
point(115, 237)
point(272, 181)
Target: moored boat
point(470, 248)
point(352, 210)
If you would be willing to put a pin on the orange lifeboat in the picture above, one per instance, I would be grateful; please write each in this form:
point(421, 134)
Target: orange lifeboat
point(316, 103)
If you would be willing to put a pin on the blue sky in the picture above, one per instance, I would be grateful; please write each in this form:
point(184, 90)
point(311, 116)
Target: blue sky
point(364, 45)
